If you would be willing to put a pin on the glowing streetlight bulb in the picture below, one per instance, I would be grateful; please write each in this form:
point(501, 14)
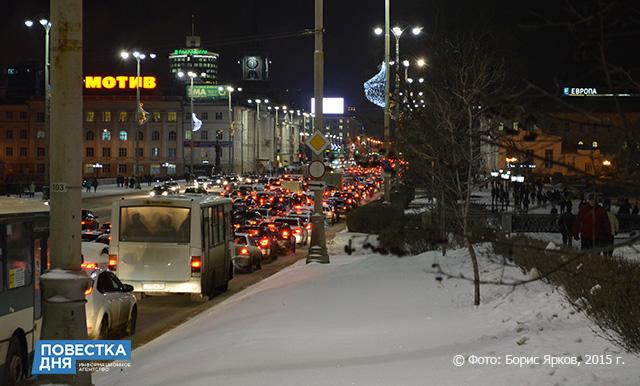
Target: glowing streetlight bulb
point(416, 30)
point(28, 23)
point(44, 22)
point(136, 54)
point(124, 55)
point(152, 56)
point(180, 74)
point(397, 31)
point(421, 62)
point(405, 63)
point(378, 31)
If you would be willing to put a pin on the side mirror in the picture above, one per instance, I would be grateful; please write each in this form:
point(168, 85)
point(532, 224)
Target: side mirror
point(128, 288)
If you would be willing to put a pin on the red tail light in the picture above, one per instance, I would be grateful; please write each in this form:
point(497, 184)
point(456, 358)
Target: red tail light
point(349, 201)
point(196, 265)
point(88, 266)
point(285, 234)
point(112, 264)
point(244, 251)
point(297, 231)
point(308, 227)
point(88, 291)
point(264, 243)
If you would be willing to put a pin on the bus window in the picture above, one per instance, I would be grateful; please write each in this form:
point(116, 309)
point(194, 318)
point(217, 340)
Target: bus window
point(19, 258)
point(155, 224)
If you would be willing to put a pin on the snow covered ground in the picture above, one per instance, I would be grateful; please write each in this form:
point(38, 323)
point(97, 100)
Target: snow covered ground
point(368, 319)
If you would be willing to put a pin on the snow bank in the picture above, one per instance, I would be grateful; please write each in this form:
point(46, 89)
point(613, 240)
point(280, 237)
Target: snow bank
point(378, 320)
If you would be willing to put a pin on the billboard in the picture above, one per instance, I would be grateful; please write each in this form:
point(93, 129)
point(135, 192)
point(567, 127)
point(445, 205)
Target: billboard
point(329, 106)
point(208, 92)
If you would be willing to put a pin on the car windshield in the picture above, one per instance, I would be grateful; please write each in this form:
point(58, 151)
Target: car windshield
point(155, 224)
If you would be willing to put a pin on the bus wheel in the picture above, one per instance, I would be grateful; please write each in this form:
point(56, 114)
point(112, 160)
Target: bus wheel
point(15, 362)
point(104, 328)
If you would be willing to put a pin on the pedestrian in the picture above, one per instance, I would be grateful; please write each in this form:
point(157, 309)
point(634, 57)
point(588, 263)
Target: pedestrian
point(554, 210)
point(565, 224)
point(132, 182)
point(94, 184)
point(592, 225)
point(625, 207)
point(525, 203)
point(87, 185)
point(126, 182)
point(32, 189)
point(615, 227)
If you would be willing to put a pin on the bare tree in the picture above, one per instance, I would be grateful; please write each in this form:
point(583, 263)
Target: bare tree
point(441, 129)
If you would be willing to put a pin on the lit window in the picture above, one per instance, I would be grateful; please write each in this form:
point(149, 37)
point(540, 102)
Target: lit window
point(106, 116)
point(91, 116)
point(123, 135)
point(106, 135)
point(172, 116)
point(156, 116)
point(123, 116)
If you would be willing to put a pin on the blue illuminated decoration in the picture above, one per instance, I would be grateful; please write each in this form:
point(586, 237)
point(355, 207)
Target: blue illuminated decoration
point(374, 88)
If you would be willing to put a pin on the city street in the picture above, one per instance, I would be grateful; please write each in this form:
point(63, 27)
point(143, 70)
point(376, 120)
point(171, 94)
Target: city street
point(161, 313)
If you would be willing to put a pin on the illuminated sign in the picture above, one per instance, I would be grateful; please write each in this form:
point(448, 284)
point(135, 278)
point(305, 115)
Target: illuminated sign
point(329, 106)
point(207, 92)
point(119, 82)
point(580, 91)
point(190, 52)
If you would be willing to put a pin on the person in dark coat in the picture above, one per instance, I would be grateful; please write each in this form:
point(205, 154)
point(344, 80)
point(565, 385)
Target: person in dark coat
point(565, 224)
point(94, 184)
point(126, 182)
point(592, 225)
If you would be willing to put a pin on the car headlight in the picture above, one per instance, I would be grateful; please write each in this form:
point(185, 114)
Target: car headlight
point(218, 181)
point(152, 194)
point(225, 183)
point(173, 189)
point(165, 193)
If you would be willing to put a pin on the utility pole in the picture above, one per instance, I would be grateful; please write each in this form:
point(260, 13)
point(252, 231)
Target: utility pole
point(387, 111)
point(139, 117)
point(318, 246)
point(64, 316)
point(47, 114)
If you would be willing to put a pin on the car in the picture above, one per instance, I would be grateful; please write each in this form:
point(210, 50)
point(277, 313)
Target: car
point(161, 190)
point(285, 240)
point(195, 190)
point(202, 181)
point(266, 240)
point(89, 220)
point(247, 255)
point(94, 255)
point(111, 308)
point(104, 238)
point(300, 232)
point(90, 234)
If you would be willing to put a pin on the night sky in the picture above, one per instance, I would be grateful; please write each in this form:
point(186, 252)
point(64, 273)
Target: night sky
point(352, 50)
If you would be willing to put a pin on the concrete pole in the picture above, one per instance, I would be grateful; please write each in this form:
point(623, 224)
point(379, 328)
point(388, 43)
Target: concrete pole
point(318, 246)
point(138, 117)
point(65, 317)
point(275, 136)
point(231, 134)
point(387, 112)
point(47, 113)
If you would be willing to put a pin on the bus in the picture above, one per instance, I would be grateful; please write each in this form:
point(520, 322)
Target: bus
point(24, 234)
point(178, 244)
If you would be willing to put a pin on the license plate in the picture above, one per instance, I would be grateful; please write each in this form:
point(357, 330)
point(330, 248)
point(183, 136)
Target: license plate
point(153, 286)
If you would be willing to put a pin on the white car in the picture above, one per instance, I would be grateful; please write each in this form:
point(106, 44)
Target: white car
point(94, 255)
point(111, 306)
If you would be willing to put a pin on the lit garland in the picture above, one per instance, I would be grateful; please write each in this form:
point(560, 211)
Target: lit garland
point(374, 88)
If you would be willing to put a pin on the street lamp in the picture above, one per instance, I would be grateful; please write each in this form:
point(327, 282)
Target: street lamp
point(46, 24)
point(191, 75)
point(230, 91)
point(140, 113)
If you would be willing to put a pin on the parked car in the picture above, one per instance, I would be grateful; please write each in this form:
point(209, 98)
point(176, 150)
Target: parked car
point(111, 306)
point(247, 256)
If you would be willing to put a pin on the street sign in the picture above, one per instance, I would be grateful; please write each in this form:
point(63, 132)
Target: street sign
point(317, 169)
point(316, 185)
point(317, 142)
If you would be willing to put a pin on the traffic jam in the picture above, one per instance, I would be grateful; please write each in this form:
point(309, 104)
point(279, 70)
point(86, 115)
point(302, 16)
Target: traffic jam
point(270, 217)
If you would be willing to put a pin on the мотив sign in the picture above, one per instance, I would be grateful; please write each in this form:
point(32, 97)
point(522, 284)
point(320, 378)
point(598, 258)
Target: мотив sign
point(120, 82)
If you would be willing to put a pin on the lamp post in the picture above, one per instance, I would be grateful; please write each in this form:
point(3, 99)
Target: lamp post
point(318, 246)
point(230, 91)
point(191, 76)
point(140, 113)
point(46, 24)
